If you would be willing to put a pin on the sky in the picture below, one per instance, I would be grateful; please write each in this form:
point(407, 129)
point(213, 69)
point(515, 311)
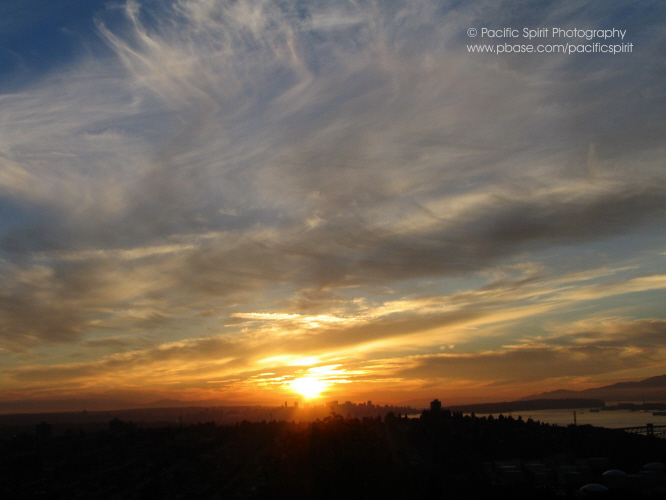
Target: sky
point(254, 201)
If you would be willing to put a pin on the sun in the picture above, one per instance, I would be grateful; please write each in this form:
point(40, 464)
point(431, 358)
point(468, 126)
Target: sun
point(308, 387)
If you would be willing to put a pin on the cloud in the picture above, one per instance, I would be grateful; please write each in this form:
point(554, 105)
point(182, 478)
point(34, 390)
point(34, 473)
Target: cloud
point(103, 343)
point(586, 349)
point(614, 332)
point(165, 363)
point(531, 364)
point(335, 175)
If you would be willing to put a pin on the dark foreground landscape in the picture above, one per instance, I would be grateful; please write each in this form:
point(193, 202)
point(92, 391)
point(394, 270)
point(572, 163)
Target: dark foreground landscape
point(437, 455)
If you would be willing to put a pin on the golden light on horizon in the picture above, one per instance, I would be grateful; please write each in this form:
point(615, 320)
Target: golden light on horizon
point(308, 387)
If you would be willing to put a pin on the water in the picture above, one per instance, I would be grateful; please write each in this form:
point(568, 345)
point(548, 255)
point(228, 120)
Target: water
point(612, 419)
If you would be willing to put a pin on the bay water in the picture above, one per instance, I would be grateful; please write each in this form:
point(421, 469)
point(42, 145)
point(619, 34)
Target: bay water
point(612, 419)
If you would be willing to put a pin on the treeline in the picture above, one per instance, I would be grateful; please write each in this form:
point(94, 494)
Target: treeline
point(442, 454)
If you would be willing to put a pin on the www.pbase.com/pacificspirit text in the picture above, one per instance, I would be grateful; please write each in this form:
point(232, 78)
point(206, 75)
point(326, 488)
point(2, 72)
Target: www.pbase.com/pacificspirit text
point(569, 48)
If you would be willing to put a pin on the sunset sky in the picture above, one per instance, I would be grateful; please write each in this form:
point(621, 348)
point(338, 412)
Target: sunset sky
point(241, 201)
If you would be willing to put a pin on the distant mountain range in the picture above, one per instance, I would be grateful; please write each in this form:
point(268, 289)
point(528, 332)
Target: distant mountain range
point(177, 403)
point(99, 404)
point(652, 390)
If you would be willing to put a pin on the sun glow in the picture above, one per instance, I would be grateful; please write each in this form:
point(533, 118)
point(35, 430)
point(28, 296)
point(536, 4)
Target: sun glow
point(308, 387)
